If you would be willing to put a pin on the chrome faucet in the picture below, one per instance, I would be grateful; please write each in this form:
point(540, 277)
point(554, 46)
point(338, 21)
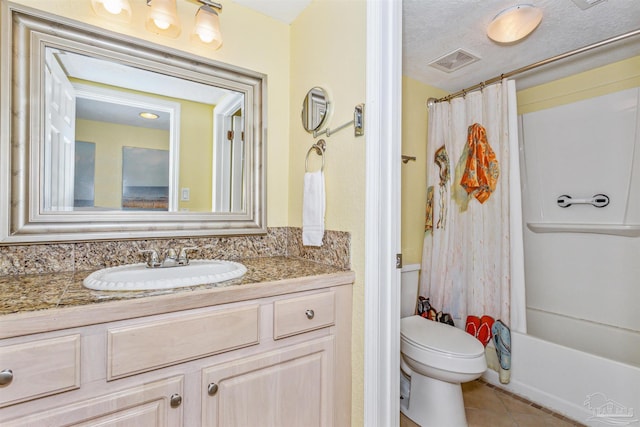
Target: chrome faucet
point(183, 258)
point(170, 259)
point(152, 260)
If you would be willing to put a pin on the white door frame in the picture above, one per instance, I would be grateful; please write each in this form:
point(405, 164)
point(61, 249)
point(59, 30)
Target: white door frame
point(145, 103)
point(221, 185)
point(382, 221)
point(60, 128)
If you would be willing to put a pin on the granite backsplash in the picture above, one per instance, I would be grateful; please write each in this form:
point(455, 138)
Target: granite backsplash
point(82, 256)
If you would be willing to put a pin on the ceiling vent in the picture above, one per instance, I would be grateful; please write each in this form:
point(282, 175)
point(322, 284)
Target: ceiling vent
point(586, 4)
point(454, 61)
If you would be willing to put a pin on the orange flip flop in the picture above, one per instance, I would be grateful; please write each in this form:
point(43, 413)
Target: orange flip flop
point(484, 331)
point(473, 325)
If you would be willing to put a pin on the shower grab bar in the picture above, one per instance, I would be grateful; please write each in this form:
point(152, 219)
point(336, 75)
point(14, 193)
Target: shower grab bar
point(599, 201)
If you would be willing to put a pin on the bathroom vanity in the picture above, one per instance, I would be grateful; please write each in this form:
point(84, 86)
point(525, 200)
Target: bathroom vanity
point(270, 349)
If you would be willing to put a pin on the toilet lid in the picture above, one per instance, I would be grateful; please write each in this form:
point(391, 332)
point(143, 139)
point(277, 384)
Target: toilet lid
point(439, 337)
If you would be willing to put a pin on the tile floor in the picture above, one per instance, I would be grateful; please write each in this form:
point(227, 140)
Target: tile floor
point(488, 406)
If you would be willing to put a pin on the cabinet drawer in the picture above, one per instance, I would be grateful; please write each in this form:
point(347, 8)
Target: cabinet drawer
point(40, 368)
point(141, 348)
point(296, 315)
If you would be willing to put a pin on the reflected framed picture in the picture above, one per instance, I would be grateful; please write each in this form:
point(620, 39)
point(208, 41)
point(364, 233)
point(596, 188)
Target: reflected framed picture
point(145, 179)
point(84, 176)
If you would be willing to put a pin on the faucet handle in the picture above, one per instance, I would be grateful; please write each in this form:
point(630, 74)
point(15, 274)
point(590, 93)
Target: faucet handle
point(183, 259)
point(153, 260)
point(171, 254)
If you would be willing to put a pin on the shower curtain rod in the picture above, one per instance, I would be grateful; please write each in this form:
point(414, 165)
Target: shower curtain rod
point(481, 85)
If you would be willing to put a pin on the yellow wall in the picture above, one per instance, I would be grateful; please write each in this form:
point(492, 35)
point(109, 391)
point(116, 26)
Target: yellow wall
point(599, 81)
point(251, 40)
point(414, 174)
point(589, 84)
point(109, 139)
point(325, 46)
point(328, 42)
point(196, 151)
point(196, 155)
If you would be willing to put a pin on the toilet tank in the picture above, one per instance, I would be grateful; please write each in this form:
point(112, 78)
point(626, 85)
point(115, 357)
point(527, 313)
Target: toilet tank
point(409, 289)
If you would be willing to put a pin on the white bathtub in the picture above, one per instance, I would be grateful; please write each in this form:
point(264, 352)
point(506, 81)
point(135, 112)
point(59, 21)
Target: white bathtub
point(573, 383)
point(581, 262)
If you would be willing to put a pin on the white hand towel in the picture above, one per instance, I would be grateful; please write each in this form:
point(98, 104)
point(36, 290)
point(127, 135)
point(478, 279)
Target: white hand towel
point(313, 205)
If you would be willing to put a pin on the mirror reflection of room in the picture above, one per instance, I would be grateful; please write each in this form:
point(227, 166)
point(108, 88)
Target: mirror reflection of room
point(185, 154)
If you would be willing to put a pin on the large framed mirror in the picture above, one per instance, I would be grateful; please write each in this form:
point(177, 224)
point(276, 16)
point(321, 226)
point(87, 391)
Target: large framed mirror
point(109, 137)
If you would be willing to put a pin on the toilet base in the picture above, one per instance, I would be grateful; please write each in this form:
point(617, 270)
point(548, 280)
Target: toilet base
point(434, 403)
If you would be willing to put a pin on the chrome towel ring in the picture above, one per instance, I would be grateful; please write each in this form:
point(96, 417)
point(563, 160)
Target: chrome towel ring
point(319, 148)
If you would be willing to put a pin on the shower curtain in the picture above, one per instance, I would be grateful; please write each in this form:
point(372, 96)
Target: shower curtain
point(473, 260)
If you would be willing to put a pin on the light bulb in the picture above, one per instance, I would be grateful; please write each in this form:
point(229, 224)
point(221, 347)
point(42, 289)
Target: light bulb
point(112, 9)
point(161, 23)
point(206, 36)
point(113, 6)
point(514, 23)
point(162, 18)
point(148, 115)
point(207, 27)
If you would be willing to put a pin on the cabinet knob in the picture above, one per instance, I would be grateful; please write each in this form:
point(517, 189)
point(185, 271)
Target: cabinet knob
point(309, 314)
point(6, 376)
point(212, 389)
point(175, 400)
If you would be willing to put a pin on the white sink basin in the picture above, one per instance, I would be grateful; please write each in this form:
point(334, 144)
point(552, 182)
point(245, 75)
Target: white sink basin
point(138, 277)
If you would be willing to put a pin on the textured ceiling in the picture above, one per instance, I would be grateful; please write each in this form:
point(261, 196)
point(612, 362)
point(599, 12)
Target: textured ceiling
point(433, 28)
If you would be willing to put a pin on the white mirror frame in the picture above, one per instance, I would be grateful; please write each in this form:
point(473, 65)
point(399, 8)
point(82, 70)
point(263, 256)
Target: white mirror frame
point(24, 36)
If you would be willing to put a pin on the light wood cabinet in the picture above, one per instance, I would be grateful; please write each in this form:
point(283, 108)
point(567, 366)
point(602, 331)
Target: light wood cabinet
point(39, 368)
point(179, 339)
point(286, 387)
point(275, 360)
point(297, 315)
point(145, 405)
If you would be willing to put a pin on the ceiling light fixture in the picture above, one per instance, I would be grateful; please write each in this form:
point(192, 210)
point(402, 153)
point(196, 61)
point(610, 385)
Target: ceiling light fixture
point(207, 24)
point(514, 23)
point(118, 9)
point(163, 18)
point(149, 116)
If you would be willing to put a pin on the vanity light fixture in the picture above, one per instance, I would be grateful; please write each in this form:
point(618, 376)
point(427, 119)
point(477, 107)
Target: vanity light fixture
point(514, 23)
point(118, 9)
point(163, 18)
point(149, 116)
point(207, 24)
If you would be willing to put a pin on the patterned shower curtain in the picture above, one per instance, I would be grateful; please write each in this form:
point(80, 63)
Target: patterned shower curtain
point(472, 255)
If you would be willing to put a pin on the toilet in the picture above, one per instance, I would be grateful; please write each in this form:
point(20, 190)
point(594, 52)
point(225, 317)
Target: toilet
point(436, 358)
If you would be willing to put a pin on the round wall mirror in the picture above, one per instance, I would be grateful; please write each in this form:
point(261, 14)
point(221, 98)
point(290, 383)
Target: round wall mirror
point(315, 109)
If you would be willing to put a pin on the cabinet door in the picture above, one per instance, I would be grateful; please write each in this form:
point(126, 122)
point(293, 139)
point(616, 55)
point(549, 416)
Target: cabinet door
point(291, 386)
point(157, 404)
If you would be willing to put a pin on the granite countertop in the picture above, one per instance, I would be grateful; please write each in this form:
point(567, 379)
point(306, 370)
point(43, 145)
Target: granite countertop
point(31, 293)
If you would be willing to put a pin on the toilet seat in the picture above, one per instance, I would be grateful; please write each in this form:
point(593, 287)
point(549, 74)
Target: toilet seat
point(440, 337)
point(440, 346)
